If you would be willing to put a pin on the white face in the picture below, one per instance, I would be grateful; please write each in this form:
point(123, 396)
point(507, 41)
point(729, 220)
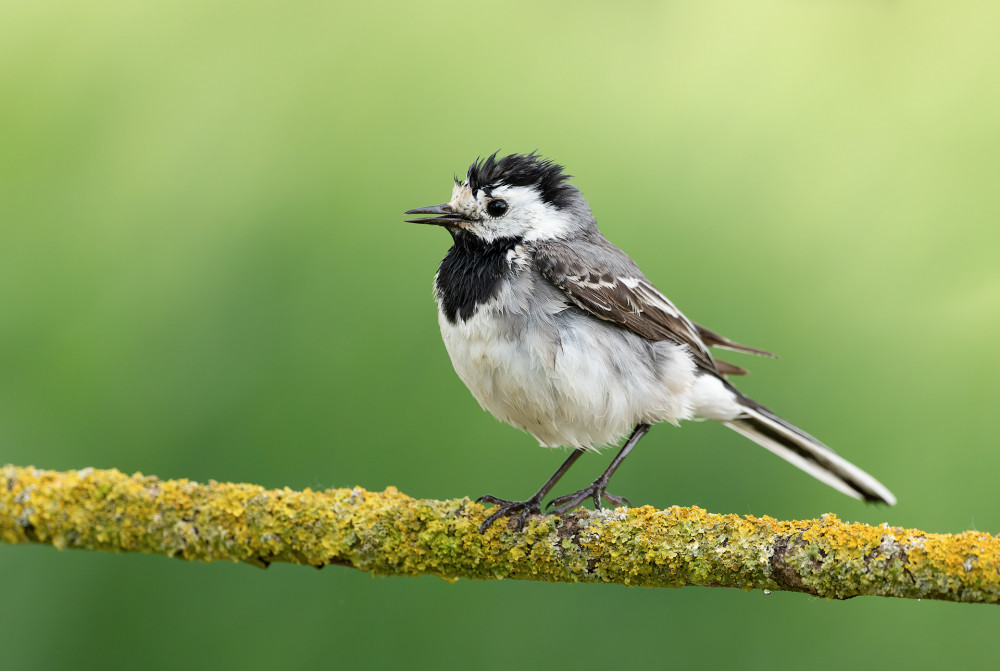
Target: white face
point(525, 216)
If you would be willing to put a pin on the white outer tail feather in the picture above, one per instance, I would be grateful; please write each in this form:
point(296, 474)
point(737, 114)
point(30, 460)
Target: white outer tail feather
point(808, 454)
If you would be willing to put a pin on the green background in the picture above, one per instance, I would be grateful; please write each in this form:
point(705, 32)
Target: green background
point(204, 273)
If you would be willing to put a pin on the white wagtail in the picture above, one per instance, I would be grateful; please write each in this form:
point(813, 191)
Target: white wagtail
point(556, 331)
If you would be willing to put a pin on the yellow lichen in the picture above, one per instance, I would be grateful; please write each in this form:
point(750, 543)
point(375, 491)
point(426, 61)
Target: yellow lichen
point(391, 533)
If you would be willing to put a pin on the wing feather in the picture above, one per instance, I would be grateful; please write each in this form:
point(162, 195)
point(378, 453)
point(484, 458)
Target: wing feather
point(601, 279)
point(627, 298)
point(713, 339)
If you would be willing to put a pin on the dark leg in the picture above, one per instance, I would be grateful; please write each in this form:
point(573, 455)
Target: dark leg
point(597, 488)
point(532, 506)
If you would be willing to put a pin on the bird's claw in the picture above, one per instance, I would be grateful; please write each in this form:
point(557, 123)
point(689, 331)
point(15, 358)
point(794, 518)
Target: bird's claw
point(505, 508)
point(596, 491)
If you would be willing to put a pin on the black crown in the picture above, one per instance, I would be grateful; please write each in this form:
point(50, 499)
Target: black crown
point(522, 170)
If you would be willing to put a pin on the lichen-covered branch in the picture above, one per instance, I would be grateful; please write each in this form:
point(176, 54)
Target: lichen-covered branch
point(392, 534)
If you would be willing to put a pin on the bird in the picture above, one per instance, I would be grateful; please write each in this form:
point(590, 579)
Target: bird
point(557, 331)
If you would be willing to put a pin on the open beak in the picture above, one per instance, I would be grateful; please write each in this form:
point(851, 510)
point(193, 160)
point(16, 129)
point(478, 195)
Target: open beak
point(445, 215)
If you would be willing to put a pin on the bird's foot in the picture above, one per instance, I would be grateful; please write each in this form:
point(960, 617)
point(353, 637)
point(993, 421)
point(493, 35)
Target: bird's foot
point(505, 508)
point(596, 491)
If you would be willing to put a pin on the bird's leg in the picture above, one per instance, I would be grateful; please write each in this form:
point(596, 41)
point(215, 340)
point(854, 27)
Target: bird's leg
point(597, 489)
point(532, 506)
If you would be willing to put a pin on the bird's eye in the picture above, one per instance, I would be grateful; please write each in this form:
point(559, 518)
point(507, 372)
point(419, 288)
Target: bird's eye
point(496, 208)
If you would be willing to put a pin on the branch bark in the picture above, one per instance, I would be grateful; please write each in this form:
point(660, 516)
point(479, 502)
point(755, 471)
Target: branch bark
point(390, 533)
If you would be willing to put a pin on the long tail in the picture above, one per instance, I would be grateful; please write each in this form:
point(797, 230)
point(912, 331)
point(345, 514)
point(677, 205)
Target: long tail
point(799, 448)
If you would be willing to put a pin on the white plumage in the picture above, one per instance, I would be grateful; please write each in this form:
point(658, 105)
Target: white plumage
point(586, 391)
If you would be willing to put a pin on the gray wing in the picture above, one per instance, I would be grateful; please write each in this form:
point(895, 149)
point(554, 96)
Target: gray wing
point(601, 279)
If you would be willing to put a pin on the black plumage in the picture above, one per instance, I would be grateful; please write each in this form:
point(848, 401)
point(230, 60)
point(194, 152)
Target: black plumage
point(470, 273)
point(522, 170)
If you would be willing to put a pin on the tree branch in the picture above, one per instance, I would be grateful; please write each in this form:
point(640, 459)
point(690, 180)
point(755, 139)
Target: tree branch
point(390, 533)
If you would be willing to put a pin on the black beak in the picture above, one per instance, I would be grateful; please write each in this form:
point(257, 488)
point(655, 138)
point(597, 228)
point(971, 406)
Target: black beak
point(445, 215)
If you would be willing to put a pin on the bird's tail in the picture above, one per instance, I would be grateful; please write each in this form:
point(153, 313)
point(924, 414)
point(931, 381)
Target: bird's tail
point(799, 448)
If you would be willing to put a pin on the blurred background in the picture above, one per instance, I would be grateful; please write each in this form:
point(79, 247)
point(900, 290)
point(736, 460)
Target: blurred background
point(204, 273)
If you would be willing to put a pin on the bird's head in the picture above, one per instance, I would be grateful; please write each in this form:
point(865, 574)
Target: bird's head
point(519, 196)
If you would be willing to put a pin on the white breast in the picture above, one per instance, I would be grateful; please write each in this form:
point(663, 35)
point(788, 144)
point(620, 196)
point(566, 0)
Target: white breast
point(563, 376)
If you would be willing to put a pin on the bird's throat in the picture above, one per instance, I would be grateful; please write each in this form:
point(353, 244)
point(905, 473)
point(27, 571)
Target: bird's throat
point(471, 274)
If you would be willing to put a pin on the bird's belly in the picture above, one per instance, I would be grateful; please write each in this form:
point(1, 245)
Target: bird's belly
point(587, 387)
